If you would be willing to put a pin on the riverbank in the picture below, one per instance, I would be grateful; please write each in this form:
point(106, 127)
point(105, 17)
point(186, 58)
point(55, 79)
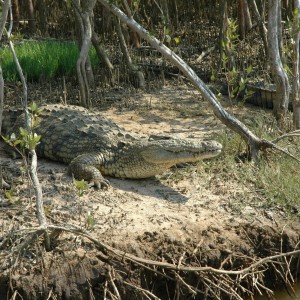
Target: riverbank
point(202, 215)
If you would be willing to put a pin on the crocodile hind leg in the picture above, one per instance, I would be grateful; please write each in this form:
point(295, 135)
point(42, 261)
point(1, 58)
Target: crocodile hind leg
point(85, 167)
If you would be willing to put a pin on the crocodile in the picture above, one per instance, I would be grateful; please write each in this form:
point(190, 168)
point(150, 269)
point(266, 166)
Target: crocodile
point(94, 146)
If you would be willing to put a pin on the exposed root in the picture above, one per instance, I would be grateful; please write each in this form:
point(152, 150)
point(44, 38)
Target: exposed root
point(217, 283)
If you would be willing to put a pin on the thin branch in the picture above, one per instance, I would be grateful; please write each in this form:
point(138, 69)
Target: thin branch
point(148, 293)
point(295, 133)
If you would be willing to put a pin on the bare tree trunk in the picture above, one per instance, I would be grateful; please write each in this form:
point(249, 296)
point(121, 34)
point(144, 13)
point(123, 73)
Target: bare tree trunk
point(254, 143)
point(31, 17)
point(295, 97)
point(134, 39)
point(101, 52)
point(16, 12)
point(5, 8)
point(262, 28)
point(135, 75)
point(245, 23)
point(42, 18)
point(84, 14)
point(278, 72)
point(4, 14)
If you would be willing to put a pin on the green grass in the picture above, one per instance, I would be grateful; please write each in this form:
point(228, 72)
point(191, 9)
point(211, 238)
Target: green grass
point(43, 60)
point(275, 179)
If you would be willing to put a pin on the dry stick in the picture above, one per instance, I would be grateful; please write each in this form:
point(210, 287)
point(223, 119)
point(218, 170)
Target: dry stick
point(190, 288)
point(287, 135)
point(146, 292)
point(113, 285)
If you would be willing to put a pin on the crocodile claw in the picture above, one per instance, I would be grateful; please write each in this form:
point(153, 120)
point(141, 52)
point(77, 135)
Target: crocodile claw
point(102, 184)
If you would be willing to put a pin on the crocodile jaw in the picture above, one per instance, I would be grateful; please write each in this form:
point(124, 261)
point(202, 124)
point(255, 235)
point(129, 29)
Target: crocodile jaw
point(179, 151)
point(142, 160)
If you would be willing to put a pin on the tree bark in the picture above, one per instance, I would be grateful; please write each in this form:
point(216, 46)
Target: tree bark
point(295, 97)
point(101, 52)
point(16, 13)
point(134, 39)
point(278, 73)
point(31, 17)
point(262, 27)
point(254, 143)
point(42, 17)
point(83, 15)
point(245, 23)
point(135, 75)
point(4, 14)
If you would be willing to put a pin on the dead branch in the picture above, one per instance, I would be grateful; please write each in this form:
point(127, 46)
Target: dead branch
point(295, 133)
point(146, 293)
point(205, 53)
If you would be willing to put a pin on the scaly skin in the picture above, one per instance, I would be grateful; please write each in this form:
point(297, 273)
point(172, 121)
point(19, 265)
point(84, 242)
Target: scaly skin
point(94, 146)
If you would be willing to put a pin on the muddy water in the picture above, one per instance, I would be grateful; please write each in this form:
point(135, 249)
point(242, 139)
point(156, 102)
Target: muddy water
point(283, 295)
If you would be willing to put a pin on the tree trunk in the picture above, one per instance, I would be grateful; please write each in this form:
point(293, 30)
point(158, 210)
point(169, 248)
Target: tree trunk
point(83, 15)
point(244, 18)
point(278, 73)
point(101, 52)
point(42, 17)
point(16, 13)
point(4, 14)
point(295, 97)
point(135, 75)
point(134, 39)
point(31, 17)
point(262, 28)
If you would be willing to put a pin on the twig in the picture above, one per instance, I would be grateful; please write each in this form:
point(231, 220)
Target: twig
point(204, 53)
point(113, 285)
point(274, 146)
point(142, 290)
point(295, 133)
point(190, 288)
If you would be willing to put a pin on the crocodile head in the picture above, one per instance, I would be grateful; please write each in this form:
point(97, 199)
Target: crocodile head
point(146, 159)
point(176, 151)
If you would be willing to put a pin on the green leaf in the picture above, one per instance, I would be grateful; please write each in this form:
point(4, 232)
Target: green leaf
point(23, 132)
point(90, 220)
point(168, 38)
point(33, 107)
point(9, 196)
point(81, 186)
point(249, 69)
point(235, 90)
point(177, 40)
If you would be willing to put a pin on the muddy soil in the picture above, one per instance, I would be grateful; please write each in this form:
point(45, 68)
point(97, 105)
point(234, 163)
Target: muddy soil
point(189, 215)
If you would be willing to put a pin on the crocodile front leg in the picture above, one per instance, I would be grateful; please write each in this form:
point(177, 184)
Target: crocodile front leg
point(86, 166)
